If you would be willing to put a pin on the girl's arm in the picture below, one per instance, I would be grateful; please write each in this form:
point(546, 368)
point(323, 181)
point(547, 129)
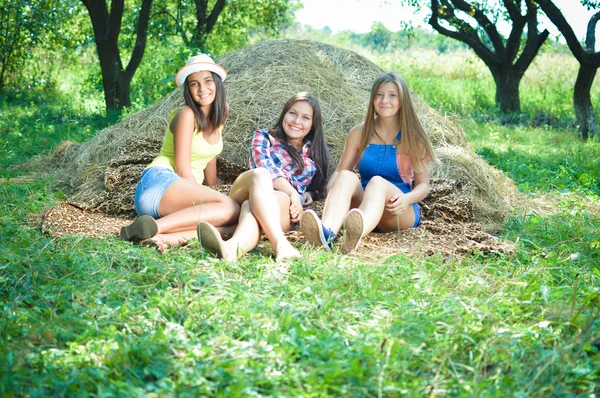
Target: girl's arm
point(210, 173)
point(182, 127)
point(350, 155)
point(283, 185)
point(400, 202)
point(260, 155)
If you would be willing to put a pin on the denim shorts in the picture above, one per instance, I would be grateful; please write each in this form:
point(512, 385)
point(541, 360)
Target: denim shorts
point(152, 186)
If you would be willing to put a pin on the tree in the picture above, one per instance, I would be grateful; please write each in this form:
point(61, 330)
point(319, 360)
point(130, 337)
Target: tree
point(22, 26)
point(229, 24)
point(507, 58)
point(379, 38)
point(116, 79)
point(589, 62)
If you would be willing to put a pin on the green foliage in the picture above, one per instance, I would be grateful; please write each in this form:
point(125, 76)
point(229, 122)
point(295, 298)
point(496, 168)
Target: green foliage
point(86, 316)
point(25, 26)
point(240, 22)
point(538, 159)
point(36, 120)
point(379, 38)
point(243, 21)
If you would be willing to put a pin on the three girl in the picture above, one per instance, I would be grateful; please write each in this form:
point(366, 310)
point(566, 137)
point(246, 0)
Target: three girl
point(288, 168)
point(170, 198)
point(392, 153)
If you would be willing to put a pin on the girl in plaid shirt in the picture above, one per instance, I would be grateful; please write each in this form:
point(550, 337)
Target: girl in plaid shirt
point(288, 168)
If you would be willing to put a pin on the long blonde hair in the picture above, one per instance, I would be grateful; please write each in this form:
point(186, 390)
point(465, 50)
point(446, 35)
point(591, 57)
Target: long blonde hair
point(414, 142)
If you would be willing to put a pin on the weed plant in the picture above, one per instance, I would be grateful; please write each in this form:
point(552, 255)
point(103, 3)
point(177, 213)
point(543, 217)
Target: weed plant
point(88, 316)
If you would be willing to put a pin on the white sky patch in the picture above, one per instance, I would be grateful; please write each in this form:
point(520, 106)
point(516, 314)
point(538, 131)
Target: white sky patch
point(359, 15)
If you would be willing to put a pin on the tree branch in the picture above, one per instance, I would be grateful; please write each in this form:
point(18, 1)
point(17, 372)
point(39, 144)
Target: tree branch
point(558, 19)
point(483, 21)
point(590, 35)
point(464, 32)
point(114, 22)
point(214, 15)
point(140, 42)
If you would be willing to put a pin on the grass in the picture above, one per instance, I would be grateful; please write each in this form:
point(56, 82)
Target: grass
point(84, 316)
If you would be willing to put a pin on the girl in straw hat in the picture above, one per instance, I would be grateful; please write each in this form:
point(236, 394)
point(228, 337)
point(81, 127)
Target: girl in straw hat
point(288, 165)
point(170, 198)
point(392, 153)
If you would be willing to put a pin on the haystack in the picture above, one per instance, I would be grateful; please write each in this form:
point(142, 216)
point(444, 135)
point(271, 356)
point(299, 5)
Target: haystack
point(101, 174)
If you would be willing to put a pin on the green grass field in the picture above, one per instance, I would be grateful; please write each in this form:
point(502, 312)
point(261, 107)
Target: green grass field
point(85, 316)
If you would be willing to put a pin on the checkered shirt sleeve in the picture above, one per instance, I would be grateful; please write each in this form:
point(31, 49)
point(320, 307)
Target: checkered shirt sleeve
point(268, 152)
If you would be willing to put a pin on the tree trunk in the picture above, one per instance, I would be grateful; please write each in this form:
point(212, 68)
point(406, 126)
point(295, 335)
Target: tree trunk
point(115, 81)
point(584, 111)
point(507, 89)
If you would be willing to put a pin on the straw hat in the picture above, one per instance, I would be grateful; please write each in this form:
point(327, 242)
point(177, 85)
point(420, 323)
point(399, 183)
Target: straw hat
point(199, 63)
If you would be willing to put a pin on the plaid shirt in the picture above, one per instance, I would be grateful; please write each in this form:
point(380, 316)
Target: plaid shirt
point(266, 151)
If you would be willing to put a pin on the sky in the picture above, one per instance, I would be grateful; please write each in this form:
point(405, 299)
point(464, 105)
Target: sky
point(359, 15)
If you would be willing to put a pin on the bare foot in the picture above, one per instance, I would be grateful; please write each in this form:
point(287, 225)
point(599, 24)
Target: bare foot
point(211, 241)
point(156, 242)
point(285, 251)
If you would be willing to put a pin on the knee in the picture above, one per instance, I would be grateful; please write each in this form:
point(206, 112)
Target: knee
point(347, 177)
point(260, 176)
point(232, 208)
point(376, 183)
point(245, 207)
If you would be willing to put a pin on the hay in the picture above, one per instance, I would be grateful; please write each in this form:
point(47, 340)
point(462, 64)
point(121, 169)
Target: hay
point(101, 174)
point(447, 229)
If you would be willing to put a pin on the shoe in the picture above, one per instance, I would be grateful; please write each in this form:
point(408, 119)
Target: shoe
point(210, 239)
point(143, 227)
point(313, 230)
point(353, 228)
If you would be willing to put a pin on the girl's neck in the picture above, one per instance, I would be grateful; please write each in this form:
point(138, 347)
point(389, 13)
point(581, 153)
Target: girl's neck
point(298, 144)
point(387, 128)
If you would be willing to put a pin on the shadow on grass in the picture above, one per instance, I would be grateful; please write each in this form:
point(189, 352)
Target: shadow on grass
point(561, 169)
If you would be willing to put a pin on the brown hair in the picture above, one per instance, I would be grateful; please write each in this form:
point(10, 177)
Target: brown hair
point(316, 136)
point(414, 142)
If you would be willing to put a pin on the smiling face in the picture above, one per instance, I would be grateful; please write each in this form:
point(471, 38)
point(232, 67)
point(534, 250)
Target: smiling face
point(202, 88)
point(387, 100)
point(298, 122)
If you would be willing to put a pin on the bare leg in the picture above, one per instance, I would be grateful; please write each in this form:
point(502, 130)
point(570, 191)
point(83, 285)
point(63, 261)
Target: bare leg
point(256, 186)
point(371, 213)
point(184, 204)
point(244, 239)
point(377, 193)
point(345, 194)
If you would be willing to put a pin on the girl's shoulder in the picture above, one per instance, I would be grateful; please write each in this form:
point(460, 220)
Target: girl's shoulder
point(262, 136)
point(355, 133)
point(183, 111)
point(182, 114)
point(182, 117)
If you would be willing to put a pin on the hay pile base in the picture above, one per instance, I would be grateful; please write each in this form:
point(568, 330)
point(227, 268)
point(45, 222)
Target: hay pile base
point(447, 228)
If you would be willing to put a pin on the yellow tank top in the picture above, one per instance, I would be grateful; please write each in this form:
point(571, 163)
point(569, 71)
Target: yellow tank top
point(202, 151)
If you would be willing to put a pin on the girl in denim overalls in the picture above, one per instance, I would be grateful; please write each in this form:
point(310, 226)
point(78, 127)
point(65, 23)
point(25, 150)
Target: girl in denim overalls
point(392, 153)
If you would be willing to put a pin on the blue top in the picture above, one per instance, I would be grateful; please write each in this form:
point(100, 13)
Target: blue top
point(380, 160)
